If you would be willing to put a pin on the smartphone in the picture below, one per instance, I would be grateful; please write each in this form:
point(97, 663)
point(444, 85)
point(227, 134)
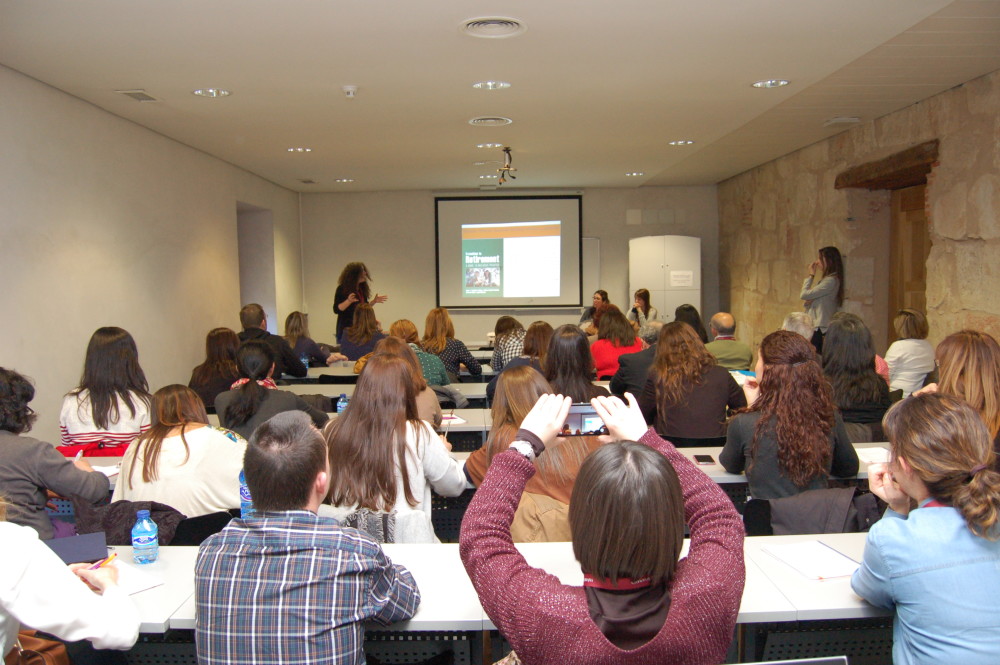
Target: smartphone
point(583, 421)
point(703, 459)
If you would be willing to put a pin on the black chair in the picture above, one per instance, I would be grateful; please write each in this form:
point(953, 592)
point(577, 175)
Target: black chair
point(194, 530)
point(686, 442)
point(337, 379)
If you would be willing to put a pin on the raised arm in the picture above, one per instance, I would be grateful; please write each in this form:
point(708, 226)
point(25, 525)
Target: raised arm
point(826, 287)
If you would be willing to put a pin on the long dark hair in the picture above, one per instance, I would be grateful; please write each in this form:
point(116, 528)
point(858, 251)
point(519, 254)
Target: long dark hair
point(173, 406)
point(833, 264)
point(536, 341)
point(367, 442)
point(797, 402)
point(350, 279)
point(568, 364)
point(615, 328)
point(689, 315)
point(643, 295)
point(255, 360)
point(220, 356)
point(111, 372)
point(849, 363)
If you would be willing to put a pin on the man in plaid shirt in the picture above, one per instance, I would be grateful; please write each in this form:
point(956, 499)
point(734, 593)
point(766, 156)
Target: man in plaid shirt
point(287, 586)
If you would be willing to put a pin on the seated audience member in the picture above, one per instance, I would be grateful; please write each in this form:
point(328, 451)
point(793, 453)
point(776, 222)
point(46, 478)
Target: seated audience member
point(542, 514)
point(600, 300)
point(362, 336)
point(110, 407)
point(536, 346)
point(933, 558)
point(728, 352)
point(218, 372)
point(287, 566)
point(29, 467)
point(181, 460)
point(642, 312)
point(615, 337)
point(791, 438)
point(687, 393)
point(799, 322)
point(911, 357)
point(40, 592)
point(508, 342)
point(439, 339)
point(428, 406)
point(254, 324)
point(297, 336)
point(254, 398)
point(849, 364)
point(384, 459)
point(569, 367)
point(430, 365)
point(638, 601)
point(969, 367)
point(689, 315)
point(633, 368)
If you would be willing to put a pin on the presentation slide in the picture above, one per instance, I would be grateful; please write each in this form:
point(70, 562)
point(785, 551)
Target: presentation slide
point(508, 251)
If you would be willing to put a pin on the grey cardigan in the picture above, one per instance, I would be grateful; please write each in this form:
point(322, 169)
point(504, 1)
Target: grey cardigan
point(28, 467)
point(822, 299)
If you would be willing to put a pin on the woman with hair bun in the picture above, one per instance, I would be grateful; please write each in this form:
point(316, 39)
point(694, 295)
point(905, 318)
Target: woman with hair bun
point(934, 556)
point(791, 438)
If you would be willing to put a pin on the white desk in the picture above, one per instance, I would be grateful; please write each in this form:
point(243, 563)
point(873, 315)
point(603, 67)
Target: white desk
point(157, 606)
point(721, 476)
point(470, 390)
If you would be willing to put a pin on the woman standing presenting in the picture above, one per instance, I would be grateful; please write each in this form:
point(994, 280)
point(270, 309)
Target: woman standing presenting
point(352, 288)
point(823, 298)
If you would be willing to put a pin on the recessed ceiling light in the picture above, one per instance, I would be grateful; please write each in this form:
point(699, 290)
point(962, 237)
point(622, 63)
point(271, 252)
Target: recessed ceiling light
point(489, 145)
point(211, 92)
point(634, 174)
point(487, 177)
point(491, 85)
point(344, 180)
point(771, 83)
point(681, 142)
point(490, 121)
point(300, 150)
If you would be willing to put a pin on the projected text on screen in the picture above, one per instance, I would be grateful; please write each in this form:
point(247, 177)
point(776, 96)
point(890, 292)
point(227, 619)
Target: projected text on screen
point(511, 260)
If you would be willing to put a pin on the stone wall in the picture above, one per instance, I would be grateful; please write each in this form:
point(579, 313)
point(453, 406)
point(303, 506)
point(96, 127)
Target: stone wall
point(773, 219)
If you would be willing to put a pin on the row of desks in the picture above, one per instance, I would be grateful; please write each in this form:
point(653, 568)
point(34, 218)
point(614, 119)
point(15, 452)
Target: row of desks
point(774, 591)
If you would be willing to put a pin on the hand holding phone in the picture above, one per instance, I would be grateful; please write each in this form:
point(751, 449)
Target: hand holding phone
point(624, 421)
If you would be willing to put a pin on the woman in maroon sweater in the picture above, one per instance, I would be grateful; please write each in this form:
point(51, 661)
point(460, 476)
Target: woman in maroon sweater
point(639, 603)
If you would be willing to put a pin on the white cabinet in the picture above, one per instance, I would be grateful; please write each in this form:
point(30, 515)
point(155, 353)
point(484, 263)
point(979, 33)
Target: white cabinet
point(670, 267)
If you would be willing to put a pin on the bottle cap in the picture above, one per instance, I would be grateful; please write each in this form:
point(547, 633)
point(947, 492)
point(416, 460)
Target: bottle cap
point(142, 514)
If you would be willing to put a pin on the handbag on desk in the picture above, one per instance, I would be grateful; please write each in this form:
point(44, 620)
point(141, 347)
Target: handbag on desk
point(29, 649)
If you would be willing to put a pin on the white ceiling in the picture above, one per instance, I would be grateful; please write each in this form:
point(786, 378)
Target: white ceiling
point(598, 88)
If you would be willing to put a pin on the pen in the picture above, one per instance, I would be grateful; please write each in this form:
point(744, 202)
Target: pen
point(78, 456)
point(104, 562)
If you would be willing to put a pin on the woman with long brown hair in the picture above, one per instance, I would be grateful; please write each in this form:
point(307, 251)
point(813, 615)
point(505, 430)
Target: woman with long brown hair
point(430, 365)
point(934, 555)
point(428, 406)
point(859, 391)
point(303, 345)
point(687, 392)
point(518, 388)
point(384, 458)
point(569, 366)
point(439, 339)
point(824, 297)
point(352, 289)
point(642, 312)
point(360, 339)
point(181, 460)
point(615, 338)
point(536, 347)
point(219, 370)
point(792, 437)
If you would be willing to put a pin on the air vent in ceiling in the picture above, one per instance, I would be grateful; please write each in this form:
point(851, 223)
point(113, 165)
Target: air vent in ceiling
point(493, 27)
point(138, 95)
point(307, 181)
point(490, 121)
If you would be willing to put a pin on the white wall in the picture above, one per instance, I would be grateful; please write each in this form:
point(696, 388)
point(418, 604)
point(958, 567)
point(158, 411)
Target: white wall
point(393, 233)
point(107, 223)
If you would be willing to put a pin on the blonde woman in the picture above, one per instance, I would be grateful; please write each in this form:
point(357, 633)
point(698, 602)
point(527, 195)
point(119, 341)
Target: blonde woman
point(297, 335)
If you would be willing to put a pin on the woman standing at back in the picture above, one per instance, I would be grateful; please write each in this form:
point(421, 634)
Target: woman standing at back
point(439, 339)
point(110, 407)
point(569, 366)
point(791, 438)
point(219, 370)
point(824, 297)
point(687, 392)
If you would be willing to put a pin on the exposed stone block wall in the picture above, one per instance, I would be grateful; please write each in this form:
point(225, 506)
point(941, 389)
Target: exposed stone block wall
point(773, 218)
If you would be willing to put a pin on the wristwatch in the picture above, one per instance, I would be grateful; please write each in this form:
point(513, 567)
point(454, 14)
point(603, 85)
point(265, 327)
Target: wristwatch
point(524, 448)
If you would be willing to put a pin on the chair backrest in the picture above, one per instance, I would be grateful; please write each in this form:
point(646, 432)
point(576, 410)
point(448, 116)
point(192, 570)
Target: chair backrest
point(194, 530)
point(834, 510)
point(686, 442)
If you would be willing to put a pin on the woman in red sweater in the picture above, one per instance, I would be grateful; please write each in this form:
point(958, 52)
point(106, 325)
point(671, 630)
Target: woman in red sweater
point(615, 338)
point(639, 602)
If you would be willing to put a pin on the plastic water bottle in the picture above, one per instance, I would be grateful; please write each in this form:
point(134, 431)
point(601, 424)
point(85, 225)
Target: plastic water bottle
point(246, 501)
point(304, 359)
point(342, 403)
point(145, 538)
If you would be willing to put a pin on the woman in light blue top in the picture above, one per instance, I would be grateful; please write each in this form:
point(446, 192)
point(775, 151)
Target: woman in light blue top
point(934, 557)
point(823, 298)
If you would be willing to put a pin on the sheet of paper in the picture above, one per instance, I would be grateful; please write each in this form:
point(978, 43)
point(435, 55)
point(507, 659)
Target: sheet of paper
point(873, 455)
point(109, 471)
point(813, 559)
point(453, 420)
point(134, 579)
